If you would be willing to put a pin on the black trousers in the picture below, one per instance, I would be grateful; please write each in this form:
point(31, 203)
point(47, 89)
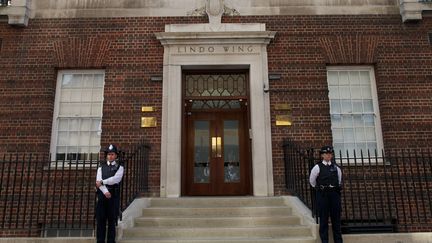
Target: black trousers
point(329, 205)
point(106, 212)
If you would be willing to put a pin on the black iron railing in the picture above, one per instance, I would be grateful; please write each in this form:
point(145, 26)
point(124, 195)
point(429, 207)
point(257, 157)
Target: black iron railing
point(40, 197)
point(386, 192)
point(135, 180)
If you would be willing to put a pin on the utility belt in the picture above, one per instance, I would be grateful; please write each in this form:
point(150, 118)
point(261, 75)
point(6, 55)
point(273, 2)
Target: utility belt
point(328, 188)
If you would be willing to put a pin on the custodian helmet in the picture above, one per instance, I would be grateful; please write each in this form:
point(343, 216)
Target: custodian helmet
point(111, 149)
point(326, 149)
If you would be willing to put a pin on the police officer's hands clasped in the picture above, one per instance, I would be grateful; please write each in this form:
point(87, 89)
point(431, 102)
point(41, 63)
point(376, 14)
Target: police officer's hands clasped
point(108, 195)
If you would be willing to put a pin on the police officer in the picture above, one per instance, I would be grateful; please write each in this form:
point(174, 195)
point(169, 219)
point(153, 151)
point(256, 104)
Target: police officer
point(326, 178)
point(108, 178)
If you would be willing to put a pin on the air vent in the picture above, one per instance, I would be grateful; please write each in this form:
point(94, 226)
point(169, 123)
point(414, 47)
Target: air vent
point(430, 38)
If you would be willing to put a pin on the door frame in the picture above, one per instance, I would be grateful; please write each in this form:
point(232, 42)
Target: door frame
point(254, 38)
point(247, 127)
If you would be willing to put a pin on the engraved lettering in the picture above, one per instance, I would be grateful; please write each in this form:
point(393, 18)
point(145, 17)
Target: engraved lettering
point(215, 49)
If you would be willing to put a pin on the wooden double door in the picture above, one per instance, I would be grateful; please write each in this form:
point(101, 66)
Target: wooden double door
point(217, 160)
point(216, 145)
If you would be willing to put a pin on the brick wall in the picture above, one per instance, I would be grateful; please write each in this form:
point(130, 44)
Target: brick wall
point(125, 48)
point(129, 53)
point(304, 46)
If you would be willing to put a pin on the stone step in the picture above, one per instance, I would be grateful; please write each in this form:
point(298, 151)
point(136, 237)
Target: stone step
point(237, 240)
point(218, 219)
point(218, 233)
point(217, 212)
point(217, 202)
point(217, 222)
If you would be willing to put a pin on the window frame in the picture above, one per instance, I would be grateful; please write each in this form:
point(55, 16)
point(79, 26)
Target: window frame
point(376, 111)
point(56, 112)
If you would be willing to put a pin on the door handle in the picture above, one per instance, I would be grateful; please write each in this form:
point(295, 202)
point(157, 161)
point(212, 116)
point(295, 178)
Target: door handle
point(216, 147)
point(219, 146)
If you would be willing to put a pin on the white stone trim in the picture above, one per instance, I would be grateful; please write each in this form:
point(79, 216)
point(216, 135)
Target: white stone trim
point(133, 211)
point(411, 10)
point(255, 57)
point(146, 8)
point(18, 12)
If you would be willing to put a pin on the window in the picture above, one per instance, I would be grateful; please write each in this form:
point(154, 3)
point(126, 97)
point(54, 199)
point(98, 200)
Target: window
point(5, 3)
point(355, 120)
point(77, 115)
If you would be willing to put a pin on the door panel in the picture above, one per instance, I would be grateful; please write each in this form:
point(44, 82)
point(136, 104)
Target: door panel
point(231, 150)
point(217, 161)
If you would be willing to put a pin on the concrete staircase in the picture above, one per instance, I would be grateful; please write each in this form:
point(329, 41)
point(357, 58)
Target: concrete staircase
point(210, 219)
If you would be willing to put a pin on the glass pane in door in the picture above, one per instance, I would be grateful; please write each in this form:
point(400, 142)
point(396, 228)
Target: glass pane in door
point(216, 85)
point(231, 151)
point(201, 151)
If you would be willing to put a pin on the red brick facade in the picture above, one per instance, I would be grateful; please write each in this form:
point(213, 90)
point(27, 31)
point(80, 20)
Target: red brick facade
point(128, 51)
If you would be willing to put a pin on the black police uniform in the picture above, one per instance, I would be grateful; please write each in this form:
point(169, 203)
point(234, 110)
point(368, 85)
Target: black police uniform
point(328, 197)
point(107, 209)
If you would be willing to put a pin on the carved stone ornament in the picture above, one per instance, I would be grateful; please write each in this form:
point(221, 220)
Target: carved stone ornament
point(231, 12)
point(214, 9)
point(197, 12)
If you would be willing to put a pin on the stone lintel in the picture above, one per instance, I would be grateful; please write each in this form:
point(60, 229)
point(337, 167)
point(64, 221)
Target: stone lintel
point(252, 37)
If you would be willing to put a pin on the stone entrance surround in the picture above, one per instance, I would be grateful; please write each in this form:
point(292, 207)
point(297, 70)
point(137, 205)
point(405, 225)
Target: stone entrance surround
point(215, 46)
